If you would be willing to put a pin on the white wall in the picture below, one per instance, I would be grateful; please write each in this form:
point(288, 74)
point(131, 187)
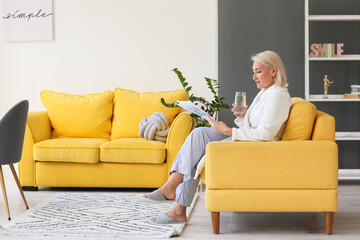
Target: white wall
point(103, 44)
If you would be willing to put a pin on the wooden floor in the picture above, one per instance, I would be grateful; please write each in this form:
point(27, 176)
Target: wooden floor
point(232, 225)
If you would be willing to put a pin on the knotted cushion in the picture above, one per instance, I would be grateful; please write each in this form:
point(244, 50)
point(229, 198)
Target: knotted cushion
point(132, 107)
point(154, 127)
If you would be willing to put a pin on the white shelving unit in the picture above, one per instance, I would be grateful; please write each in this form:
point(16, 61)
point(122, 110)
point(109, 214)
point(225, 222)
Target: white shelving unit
point(347, 136)
point(348, 57)
point(334, 17)
point(331, 98)
point(339, 136)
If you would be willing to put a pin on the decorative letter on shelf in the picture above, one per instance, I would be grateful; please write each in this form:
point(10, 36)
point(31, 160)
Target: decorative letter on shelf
point(326, 50)
point(27, 20)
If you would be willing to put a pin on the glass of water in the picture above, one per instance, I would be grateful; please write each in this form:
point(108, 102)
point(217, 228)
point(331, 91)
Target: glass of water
point(240, 102)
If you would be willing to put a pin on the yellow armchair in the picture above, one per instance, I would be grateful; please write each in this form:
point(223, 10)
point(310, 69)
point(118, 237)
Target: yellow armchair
point(297, 174)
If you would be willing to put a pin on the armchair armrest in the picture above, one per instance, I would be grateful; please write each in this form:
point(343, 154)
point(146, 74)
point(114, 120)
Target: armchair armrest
point(37, 129)
point(178, 132)
point(272, 165)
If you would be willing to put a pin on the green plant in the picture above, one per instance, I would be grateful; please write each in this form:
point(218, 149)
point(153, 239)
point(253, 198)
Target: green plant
point(211, 107)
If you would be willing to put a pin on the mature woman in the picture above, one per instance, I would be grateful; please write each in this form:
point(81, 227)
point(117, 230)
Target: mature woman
point(263, 121)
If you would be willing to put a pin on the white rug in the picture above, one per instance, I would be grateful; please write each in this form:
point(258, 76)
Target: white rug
point(95, 215)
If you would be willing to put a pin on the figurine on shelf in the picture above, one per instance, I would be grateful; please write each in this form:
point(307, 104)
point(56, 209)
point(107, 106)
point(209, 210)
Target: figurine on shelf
point(326, 85)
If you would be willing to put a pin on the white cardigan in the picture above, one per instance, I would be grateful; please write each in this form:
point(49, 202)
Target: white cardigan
point(266, 117)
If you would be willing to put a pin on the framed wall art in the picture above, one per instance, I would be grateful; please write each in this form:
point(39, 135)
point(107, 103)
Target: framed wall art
point(27, 20)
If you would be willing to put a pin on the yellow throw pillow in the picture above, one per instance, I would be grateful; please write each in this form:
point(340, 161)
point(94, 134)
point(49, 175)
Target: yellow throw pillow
point(131, 107)
point(301, 119)
point(85, 116)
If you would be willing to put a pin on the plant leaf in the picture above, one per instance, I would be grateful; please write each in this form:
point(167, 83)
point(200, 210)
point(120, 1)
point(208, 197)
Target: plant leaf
point(169, 105)
point(211, 107)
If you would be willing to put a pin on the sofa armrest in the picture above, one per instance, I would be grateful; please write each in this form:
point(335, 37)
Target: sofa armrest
point(39, 124)
point(272, 165)
point(178, 132)
point(37, 129)
point(324, 127)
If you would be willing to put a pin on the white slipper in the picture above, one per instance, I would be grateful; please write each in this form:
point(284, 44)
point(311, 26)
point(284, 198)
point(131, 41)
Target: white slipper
point(155, 196)
point(165, 219)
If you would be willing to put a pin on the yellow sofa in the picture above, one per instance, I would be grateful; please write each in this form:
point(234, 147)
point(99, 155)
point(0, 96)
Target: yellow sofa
point(92, 140)
point(297, 174)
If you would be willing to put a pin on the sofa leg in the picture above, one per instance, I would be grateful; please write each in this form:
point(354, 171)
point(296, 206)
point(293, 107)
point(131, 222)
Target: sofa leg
point(215, 218)
point(329, 218)
point(30, 188)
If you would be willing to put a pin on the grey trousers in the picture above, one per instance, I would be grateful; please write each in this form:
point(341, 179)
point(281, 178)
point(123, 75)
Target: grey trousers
point(187, 159)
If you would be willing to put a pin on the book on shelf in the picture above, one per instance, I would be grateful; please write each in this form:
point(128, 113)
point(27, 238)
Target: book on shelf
point(351, 96)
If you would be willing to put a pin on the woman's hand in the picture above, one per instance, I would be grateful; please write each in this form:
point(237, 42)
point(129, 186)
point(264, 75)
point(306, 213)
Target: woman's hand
point(242, 110)
point(220, 127)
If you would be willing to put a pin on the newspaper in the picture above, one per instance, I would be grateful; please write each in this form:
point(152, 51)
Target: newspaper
point(194, 109)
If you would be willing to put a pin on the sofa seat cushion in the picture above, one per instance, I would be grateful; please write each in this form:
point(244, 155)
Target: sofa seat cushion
point(83, 150)
point(133, 150)
point(272, 165)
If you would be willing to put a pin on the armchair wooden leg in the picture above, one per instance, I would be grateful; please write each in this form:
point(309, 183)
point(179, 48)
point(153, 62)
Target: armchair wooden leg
point(215, 217)
point(329, 218)
point(4, 192)
point(18, 184)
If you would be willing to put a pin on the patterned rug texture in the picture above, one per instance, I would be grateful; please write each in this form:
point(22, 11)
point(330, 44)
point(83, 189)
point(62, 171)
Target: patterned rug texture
point(121, 215)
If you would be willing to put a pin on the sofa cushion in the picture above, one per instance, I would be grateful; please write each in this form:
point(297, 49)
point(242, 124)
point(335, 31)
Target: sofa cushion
point(301, 119)
point(83, 150)
point(83, 116)
point(131, 107)
point(133, 150)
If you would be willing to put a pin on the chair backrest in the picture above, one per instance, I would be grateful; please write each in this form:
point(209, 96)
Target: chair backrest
point(12, 131)
point(301, 120)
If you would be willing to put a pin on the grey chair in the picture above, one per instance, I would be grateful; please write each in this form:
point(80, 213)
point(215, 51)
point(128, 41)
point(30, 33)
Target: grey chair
point(12, 131)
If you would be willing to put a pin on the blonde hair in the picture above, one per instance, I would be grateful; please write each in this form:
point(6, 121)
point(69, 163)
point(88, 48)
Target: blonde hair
point(270, 59)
